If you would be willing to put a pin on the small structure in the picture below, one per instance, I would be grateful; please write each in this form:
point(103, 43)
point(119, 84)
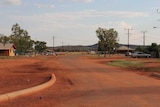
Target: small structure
point(124, 49)
point(7, 49)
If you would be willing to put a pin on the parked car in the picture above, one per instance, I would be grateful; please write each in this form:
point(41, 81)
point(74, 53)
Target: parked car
point(140, 55)
point(128, 54)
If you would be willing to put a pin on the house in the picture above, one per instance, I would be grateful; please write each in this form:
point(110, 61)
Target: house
point(124, 49)
point(7, 49)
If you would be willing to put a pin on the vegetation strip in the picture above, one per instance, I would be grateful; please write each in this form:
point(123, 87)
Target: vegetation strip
point(13, 95)
point(127, 64)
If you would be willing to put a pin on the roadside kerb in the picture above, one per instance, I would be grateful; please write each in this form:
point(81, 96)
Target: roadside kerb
point(13, 95)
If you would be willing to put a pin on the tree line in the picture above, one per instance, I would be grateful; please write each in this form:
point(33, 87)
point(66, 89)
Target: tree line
point(108, 43)
point(22, 41)
point(153, 49)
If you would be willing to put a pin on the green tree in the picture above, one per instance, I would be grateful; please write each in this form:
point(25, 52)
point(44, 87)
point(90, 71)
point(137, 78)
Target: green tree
point(4, 39)
point(100, 46)
point(107, 39)
point(21, 39)
point(143, 49)
point(40, 46)
point(154, 48)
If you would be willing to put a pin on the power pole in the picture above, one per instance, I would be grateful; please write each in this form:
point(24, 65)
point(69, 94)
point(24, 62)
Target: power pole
point(53, 44)
point(144, 32)
point(128, 32)
point(62, 47)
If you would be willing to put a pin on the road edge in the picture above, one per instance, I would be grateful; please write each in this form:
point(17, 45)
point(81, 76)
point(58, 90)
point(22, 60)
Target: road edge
point(24, 92)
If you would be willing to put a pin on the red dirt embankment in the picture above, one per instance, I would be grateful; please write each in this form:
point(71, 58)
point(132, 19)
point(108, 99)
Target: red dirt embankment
point(22, 73)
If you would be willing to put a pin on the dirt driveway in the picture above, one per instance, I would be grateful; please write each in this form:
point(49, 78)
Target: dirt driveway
point(83, 83)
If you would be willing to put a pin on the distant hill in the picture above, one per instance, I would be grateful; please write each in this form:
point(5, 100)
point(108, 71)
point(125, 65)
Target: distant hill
point(83, 48)
point(74, 48)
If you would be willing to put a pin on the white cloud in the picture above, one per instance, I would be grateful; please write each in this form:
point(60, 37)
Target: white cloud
point(135, 36)
point(87, 1)
point(10, 2)
point(70, 19)
point(125, 25)
point(44, 6)
point(81, 21)
point(63, 19)
point(120, 14)
point(94, 13)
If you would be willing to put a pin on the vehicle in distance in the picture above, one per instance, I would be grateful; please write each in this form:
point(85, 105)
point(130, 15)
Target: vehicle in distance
point(128, 54)
point(140, 55)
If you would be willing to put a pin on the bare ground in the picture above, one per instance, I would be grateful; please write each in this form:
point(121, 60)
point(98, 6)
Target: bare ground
point(20, 73)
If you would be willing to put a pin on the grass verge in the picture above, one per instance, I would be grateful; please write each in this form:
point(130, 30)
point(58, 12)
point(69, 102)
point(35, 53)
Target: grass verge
point(156, 69)
point(127, 64)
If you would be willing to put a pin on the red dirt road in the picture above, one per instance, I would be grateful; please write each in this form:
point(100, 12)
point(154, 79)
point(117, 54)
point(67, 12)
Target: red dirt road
point(84, 83)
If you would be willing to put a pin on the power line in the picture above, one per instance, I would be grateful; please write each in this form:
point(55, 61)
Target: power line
point(128, 36)
point(62, 46)
point(144, 32)
point(53, 43)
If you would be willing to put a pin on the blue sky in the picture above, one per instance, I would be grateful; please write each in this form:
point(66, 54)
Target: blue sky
point(74, 22)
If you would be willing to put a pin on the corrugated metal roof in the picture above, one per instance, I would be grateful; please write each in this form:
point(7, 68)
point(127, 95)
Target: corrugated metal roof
point(124, 48)
point(6, 46)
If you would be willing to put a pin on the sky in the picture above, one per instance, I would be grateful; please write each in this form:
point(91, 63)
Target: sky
point(74, 22)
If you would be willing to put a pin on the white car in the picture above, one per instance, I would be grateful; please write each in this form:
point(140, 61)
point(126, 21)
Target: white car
point(140, 55)
point(128, 54)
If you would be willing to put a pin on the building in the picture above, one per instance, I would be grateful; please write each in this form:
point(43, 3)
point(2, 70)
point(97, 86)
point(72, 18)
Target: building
point(7, 49)
point(124, 49)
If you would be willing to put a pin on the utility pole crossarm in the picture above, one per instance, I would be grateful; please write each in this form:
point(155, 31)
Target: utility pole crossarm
point(144, 32)
point(128, 36)
point(53, 44)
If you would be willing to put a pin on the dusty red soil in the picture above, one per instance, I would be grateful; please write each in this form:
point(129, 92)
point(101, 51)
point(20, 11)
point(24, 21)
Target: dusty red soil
point(20, 73)
point(151, 65)
point(25, 72)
